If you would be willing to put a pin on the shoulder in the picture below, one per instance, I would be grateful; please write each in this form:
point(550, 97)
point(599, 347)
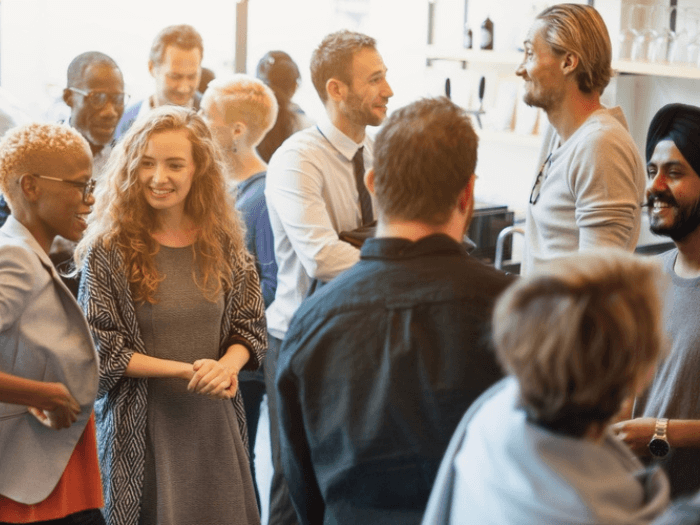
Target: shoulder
point(305, 142)
point(668, 259)
point(252, 188)
point(16, 253)
point(607, 130)
point(303, 149)
point(131, 111)
point(101, 256)
point(604, 143)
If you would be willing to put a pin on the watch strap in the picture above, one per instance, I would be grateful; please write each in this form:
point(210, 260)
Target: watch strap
point(661, 428)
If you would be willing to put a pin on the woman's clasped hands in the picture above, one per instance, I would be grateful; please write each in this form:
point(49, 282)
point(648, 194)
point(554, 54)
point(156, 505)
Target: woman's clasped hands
point(213, 379)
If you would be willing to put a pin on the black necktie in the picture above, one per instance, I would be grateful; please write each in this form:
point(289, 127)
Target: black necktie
point(358, 164)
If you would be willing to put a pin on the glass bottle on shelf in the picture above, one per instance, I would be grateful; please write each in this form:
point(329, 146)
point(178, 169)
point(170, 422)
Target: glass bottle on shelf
point(685, 33)
point(692, 22)
point(487, 34)
point(467, 37)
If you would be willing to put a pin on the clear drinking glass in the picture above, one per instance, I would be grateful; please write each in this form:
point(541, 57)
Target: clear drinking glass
point(629, 32)
point(693, 47)
point(644, 42)
point(660, 50)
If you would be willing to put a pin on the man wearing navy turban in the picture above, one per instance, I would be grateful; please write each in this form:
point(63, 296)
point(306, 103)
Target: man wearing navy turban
point(667, 424)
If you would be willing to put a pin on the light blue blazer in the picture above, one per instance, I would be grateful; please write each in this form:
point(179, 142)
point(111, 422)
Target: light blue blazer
point(43, 336)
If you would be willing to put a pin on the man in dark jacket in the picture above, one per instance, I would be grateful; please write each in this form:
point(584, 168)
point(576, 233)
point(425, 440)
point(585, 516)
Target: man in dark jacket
point(378, 366)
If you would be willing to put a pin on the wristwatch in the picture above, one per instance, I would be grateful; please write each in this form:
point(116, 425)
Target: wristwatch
point(658, 446)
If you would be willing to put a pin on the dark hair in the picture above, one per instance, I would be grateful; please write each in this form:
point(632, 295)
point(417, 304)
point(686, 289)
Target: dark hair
point(183, 36)
point(207, 76)
point(77, 67)
point(333, 58)
point(281, 74)
point(424, 156)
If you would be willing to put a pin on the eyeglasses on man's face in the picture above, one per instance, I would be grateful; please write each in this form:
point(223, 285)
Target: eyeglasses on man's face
point(537, 187)
point(99, 99)
point(87, 187)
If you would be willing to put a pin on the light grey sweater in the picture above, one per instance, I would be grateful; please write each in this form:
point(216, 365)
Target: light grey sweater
point(590, 193)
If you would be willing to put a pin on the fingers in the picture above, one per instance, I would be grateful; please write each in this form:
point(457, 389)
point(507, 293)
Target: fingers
point(201, 368)
point(39, 414)
point(55, 419)
point(211, 378)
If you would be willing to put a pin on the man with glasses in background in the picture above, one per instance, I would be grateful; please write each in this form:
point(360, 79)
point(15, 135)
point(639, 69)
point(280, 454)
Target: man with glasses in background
point(95, 93)
point(175, 63)
point(590, 185)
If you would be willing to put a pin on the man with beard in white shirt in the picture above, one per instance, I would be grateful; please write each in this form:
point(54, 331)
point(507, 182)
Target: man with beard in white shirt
point(315, 190)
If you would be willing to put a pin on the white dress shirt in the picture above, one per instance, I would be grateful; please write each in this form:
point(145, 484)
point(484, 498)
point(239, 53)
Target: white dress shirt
point(311, 196)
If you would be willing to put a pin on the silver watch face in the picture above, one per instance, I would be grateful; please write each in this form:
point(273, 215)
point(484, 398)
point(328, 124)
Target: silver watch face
point(659, 447)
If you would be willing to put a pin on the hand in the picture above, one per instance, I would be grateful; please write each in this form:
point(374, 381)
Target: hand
point(63, 408)
point(637, 433)
point(213, 379)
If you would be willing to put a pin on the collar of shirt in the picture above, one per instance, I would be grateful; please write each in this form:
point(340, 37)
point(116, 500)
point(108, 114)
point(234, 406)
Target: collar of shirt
point(398, 248)
point(99, 159)
point(339, 140)
point(243, 185)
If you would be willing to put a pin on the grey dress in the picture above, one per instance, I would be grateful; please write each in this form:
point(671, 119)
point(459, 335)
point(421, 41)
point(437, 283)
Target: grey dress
point(196, 466)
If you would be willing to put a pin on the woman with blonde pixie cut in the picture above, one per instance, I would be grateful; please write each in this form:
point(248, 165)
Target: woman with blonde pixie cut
point(578, 340)
point(240, 110)
point(174, 304)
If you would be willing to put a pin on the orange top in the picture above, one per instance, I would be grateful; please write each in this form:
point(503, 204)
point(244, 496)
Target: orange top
point(80, 487)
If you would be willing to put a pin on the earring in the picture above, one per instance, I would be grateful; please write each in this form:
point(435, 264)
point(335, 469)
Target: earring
point(234, 148)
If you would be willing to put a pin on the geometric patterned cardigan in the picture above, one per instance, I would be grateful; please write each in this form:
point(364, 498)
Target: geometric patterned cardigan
point(120, 409)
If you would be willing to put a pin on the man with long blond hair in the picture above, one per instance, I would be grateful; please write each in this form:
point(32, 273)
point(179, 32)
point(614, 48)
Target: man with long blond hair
point(590, 183)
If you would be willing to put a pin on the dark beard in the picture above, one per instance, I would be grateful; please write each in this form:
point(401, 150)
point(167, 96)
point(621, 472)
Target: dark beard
point(687, 220)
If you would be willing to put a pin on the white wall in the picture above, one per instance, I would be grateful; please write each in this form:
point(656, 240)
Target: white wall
point(40, 37)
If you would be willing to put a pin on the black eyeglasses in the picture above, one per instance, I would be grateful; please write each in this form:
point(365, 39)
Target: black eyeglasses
point(87, 187)
point(99, 99)
point(536, 188)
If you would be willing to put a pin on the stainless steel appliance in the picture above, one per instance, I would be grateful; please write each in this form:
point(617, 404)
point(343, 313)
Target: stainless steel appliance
point(488, 221)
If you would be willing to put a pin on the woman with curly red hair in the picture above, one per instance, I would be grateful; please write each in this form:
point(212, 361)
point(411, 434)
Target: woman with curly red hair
point(174, 304)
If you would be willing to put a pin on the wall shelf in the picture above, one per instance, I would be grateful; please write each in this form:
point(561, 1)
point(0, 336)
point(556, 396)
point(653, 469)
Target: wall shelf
point(479, 57)
point(510, 138)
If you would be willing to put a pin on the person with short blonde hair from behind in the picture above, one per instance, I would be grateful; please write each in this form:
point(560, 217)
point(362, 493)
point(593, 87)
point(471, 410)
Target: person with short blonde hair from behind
point(590, 180)
point(240, 110)
point(48, 365)
point(579, 339)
